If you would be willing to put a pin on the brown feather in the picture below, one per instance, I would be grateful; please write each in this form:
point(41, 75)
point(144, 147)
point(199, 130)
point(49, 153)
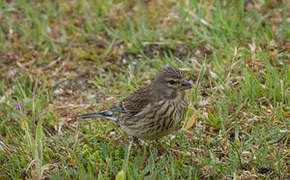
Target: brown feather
point(136, 101)
point(154, 110)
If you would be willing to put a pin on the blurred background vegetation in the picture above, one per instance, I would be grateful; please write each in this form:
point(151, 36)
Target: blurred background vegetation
point(62, 58)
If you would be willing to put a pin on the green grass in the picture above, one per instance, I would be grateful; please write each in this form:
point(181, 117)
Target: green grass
point(61, 59)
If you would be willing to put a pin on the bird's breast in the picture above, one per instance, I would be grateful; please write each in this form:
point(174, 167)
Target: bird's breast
point(156, 119)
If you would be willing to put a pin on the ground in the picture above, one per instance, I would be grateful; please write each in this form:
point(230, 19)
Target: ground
point(59, 59)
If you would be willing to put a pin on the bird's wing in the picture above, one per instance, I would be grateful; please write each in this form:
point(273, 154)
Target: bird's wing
point(134, 103)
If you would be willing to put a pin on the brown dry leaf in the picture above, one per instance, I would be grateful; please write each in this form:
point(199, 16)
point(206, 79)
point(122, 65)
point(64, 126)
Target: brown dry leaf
point(287, 46)
point(191, 121)
point(22, 122)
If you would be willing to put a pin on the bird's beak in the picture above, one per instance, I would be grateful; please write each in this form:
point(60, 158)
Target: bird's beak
point(186, 84)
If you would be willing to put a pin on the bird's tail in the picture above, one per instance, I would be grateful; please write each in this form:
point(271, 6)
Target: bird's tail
point(103, 114)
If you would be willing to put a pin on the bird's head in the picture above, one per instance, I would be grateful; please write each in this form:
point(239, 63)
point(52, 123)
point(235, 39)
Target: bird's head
point(170, 82)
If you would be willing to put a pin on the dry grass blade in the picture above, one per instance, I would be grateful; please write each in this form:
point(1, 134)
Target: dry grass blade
point(4, 148)
point(72, 57)
point(191, 121)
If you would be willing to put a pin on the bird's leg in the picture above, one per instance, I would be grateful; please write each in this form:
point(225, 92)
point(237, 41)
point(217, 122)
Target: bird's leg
point(136, 141)
point(127, 154)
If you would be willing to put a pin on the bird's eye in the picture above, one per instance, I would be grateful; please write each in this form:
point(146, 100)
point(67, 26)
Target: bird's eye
point(171, 82)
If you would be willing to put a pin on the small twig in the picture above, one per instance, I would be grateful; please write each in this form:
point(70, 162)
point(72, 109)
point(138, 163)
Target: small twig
point(76, 136)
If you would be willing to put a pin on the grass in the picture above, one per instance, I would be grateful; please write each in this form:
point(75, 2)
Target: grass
point(61, 59)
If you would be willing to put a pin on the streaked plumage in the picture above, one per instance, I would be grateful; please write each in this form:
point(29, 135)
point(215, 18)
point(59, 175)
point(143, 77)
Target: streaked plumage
point(153, 111)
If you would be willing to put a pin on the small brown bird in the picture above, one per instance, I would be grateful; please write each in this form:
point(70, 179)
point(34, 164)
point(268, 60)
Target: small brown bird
point(153, 111)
